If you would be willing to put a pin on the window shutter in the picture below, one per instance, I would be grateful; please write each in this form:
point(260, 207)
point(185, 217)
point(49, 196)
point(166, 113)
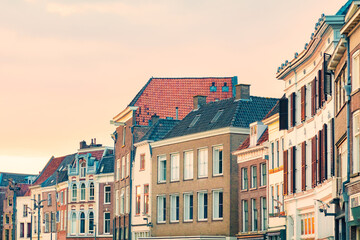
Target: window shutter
point(313, 161)
point(285, 172)
point(332, 148)
point(292, 109)
point(327, 76)
point(303, 99)
point(283, 104)
point(292, 170)
point(313, 97)
point(319, 162)
point(324, 153)
point(319, 90)
point(303, 166)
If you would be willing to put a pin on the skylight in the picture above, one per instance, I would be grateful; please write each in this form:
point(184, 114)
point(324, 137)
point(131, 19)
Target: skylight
point(194, 121)
point(217, 115)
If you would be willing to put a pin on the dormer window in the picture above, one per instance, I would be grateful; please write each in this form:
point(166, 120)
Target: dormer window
point(217, 115)
point(213, 87)
point(83, 169)
point(195, 120)
point(253, 135)
point(225, 88)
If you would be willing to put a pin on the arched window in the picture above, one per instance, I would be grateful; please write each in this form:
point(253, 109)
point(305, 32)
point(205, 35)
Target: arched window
point(83, 169)
point(82, 222)
point(82, 192)
point(91, 222)
point(73, 223)
point(74, 193)
point(92, 191)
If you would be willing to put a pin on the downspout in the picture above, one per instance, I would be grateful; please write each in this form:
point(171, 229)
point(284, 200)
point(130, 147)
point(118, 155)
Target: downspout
point(347, 88)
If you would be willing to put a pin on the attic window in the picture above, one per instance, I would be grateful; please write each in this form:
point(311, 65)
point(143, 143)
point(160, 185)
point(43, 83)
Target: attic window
point(225, 88)
point(102, 168)
point(213, 87)
point(217, 115)
point(194, 121)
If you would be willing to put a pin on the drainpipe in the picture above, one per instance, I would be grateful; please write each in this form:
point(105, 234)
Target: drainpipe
point(347, 88)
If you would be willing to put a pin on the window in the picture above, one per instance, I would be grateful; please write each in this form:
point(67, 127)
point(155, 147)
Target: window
point(127, 164)
point(254, 218)
point(62, 197)
point(127, 202)
point(117, 203)
point(82, 192)
point(53, 222)
point(82, 222)
point(138, 200)
point(194, 121)
point(92, 192)
point(47, 222)
point(107, 190)
point(107, 223)
point(83, 169)
point(28, 234)
point(307, 224)
point(188, 207)
point(272, 199)
point(142, 162)
point(244, 179)
point(123, 167)
point(218, 204)
point(175, 168)
point(74, 193)
point(25, 213)
point(188, 165)
point(146, 199)
point(217, 115)
point(49, 199)
point(174, 208)
point(161, 211)
point(91, 222)
point(202, 206)
point(253, 176)
point(118, 170)
point(263, 174)
point(272, 156)
point(122, 201)
point(35, 224)
point(355, 81)
point(356, 142)
point(162, 168)
point(62, 220)
point(263, 214)
point(124, 136)
point(22, 230)
point(245, 213)
point(218, 160)
point(277, 154)
point(202, 162)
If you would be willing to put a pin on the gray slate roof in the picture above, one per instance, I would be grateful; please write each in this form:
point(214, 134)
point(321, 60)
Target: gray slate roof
point(63, 173)
point(106, 165)
point(17, 177)
point(159, 129)
point(236, 113)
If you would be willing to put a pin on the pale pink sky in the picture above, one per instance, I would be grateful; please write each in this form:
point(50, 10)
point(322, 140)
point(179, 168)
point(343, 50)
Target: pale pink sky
point(67, 67)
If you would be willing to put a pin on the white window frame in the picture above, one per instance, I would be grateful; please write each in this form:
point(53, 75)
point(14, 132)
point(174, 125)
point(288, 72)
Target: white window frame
point(83, 169)
point(253, 183)
point(127, 164)
point(254, 213)
point(188, 208)
point(91, 191)
point(107, 193)
point(74, 192)
point(245, 227)
point(49, 199)
point(355, 76)
point(123, 167)
point(161, 209)
point(127, 199)
point(201, 205)
point(117, 203)
point(82, 233)
point(174, 167)
point(82, 192)
point(105, 220)
point(356, 142)
point(217, 163)
point(263, 179)
point(118, 170)
point(203, 161)
point(188, 165)
point(161, 172)
point(73, 224)
point(217, 204)
point(263, 213)
point(244, 179)
point(174, 207)
point(122, 201)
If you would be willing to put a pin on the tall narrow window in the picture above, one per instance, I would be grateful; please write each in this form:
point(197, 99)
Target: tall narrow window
point(263, 174)
point(22, 228)
point(47, 222)
point(62, 197)
point(74, 193)
point(92, 192)
point(161, 209)
point(83, 169)
point(138, 200)
point(53, 222)
point(123, 167)
point(124, 136)
point(202, 205)
point(142, 162)
point(263, 214)
point(82, 222)
point(174, 208)
point(49, 200)
point(245, 217)
point(277, 154)
point(188, 207)
point(146, 199)
point(188, 165)
point(175, 167)
point(122, 201)
point(253, 177)
point(202, 162)
point(356, 142)
point(106, 222)
point(254, 215)
point(107, 191)
point(218, 160)
point(82, 192)
point(127, 200)
point(355, 80)
point(127, 164)
point(272, 156)
point(117, 203)
point(91, 222)
point(218, 204)
point(28, 234)
point(25, 210)
point(118, 170)
point(162, 168)
point(244, 179)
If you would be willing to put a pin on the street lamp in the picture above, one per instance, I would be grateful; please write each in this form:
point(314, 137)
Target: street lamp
point(13, 187)
point(37, 205)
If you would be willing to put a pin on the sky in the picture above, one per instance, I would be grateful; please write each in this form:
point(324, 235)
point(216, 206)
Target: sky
point(67, 67)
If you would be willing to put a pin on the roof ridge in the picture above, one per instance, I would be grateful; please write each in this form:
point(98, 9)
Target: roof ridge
point(137, 96)
point(191, 77)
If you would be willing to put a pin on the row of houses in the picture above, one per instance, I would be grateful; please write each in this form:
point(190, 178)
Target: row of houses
point(202, 158)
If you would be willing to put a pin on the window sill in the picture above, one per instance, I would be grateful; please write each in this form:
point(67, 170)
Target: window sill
point(141, 169)
point(202, 220)
point(251, 189)
point(161, 182)
point(172, 222)
point(218, 175)
point(188, 221)
point(161, 222)
point(188, 179)
point(218, 219)
point(174, 181)
point(107, 203)
point(244, 190)
point(202, 177)
point(262, 187)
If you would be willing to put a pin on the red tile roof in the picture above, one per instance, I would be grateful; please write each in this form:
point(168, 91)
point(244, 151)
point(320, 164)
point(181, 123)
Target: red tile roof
point(24, 188)
point(97, 154)
point(163, 95)
point(49, 169)
point(264, 137)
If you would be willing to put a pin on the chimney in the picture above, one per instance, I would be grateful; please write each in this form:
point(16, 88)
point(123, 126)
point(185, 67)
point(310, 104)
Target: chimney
point(199, 100)
point(94, 141)
point(177, 113)
point(83, 144)
point(242, 91)
point(154, 119)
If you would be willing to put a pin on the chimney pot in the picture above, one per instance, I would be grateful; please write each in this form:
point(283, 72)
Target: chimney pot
point(199, 100)
point(82, 144)
point(94, 141)
point(242, 91)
